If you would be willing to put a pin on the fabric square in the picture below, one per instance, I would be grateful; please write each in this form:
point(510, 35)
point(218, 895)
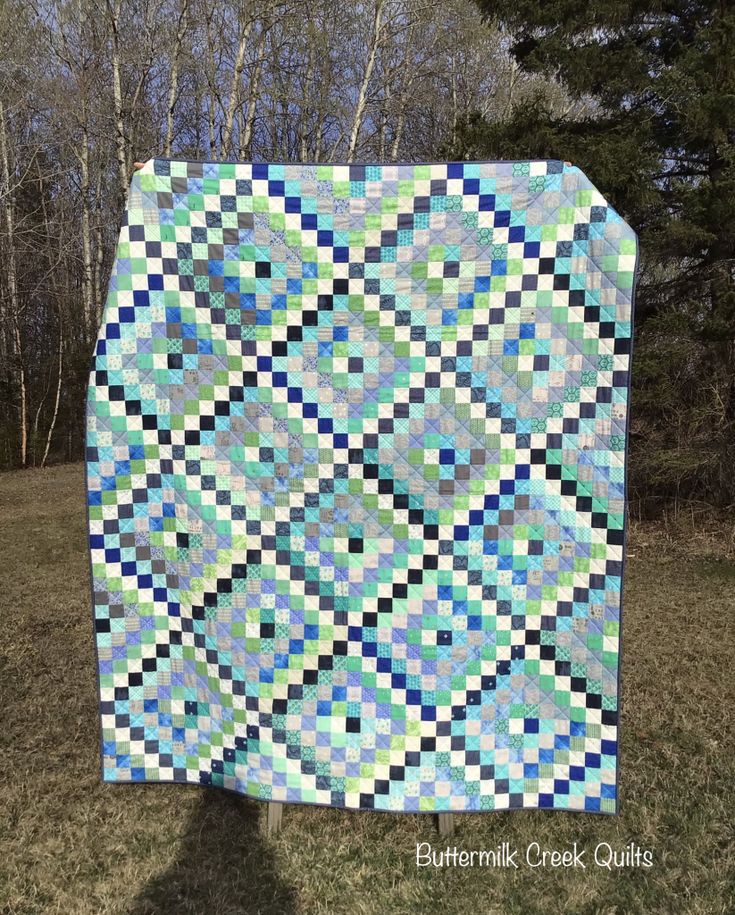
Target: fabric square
point(356, 468)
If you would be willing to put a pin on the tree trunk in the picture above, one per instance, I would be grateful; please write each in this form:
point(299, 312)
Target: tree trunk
point(174, 81)
point(405, 93)
point(246, 140)
point(211, 81)
point(365, 84)
point(234, 100)
point(87, 269)
point(13, 295)
point(57, 400)
point(57, 307)
point(455, 108)
point(113, 10)
point(99, 253)
point(306, 95)
point(383, 125)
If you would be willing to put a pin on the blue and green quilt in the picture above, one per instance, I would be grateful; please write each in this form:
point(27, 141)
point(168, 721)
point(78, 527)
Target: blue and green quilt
point(356, 465)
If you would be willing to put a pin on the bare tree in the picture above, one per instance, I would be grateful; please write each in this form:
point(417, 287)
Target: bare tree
point(113, 14)
point(181, 29)
point(89, 86)
point(374, 42)
point(245, 25)
point(12, 285)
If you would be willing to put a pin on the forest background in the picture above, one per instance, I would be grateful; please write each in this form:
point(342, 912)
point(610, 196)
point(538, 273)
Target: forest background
point(639, 95)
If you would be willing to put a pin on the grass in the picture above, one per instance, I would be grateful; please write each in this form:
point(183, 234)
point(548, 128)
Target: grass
point(69, 844)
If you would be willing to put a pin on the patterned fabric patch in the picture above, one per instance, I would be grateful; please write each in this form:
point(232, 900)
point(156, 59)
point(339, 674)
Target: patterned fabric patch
point(356, 479)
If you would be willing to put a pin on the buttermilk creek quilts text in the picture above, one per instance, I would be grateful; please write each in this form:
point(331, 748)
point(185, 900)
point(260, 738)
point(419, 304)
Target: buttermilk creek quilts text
point(356, 466)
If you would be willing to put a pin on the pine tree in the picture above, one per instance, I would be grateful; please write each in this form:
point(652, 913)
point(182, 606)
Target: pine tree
point(656, 84)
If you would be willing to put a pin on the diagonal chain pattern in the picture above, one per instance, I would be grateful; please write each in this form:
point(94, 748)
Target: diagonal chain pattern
point(356, 442)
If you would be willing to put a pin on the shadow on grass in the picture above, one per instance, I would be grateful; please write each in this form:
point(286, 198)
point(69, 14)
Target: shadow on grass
point(222, 865)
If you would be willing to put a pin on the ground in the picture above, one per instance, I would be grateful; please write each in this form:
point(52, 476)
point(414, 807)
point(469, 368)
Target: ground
point(69, 844)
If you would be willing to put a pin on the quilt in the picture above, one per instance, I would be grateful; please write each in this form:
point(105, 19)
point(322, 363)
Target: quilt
point(356, 472)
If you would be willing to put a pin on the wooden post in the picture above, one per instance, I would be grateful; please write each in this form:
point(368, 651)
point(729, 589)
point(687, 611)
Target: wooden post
point(275, 815)
point(446, 824)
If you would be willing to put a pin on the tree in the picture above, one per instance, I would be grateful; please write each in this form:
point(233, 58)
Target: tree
point(87, 87)
point(652, 87)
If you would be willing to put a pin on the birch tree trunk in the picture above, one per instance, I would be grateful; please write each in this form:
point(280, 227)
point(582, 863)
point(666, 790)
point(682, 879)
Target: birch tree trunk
point(412, 69)
point(173, 91)
point(212, 96)
point(306, 103)
point(365, 84)
point(57, 399)
point(113, 10)
point(99, 253)
point(87, 269)
point(245, 30)
point(246, 138)
point(12, 280)
point(323, 88)
point(455, 107)
point(55, 288)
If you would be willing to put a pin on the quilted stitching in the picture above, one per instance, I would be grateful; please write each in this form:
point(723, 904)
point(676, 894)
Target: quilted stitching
point(356, 472)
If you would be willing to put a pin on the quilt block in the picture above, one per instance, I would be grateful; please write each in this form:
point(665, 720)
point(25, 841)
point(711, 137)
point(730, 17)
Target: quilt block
point(356, 445)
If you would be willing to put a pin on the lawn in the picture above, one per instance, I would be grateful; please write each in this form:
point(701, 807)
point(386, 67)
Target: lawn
point(69, 844)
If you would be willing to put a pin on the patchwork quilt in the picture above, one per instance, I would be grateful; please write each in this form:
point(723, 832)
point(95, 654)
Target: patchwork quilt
point(356, 445)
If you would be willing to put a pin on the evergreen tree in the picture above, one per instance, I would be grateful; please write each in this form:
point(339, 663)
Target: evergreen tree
point(655, 84)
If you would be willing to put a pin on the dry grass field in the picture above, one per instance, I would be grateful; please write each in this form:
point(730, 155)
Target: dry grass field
point(69, 844)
